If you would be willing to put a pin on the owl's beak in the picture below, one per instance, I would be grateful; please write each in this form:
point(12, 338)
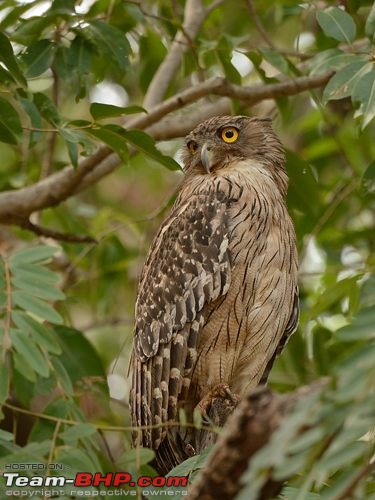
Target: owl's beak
point(207, 157)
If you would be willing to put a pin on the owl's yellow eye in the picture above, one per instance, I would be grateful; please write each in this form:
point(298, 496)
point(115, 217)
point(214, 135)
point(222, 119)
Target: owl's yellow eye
point(229, 134)
point(193, 146)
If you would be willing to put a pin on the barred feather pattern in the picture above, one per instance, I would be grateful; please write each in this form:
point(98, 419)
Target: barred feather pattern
point(188, 267)
point(218, 296)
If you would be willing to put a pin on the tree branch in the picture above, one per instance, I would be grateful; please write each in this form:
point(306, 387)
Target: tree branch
point(194, 16)
point(258, 24)
point(16, 206)
point(56, 235)
point(248, 429)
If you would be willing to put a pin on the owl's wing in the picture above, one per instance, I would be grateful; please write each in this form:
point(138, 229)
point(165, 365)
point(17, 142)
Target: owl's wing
point(187, 267)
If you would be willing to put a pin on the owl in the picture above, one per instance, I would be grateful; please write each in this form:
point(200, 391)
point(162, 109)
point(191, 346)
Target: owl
point(218, 297)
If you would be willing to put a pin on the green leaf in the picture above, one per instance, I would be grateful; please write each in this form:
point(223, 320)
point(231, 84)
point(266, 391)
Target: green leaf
point(139, 456)
point(35, 118)
point(332, 295)
point(289, 493)
point(44, 336)
point(78, 431)
point(79, 356)
point(32, 28)
point(111, 42)
point(25, 346)
point(73, 152)
point(23, 367)
point(80, 55)
point(277, 60)
point(64, 8)
point(361, 328)
point(7, 57)
point(152, 52)
point(306, 439)
point(343, 482)
point(30, 255)
point(99, 110)
point(37, 288)
point(224, 52)
point(6, 77)
point(333, 59)
point(364, 92)
point(302, 184)
point(191, 464)
point(368, 178)
point(10, 124)
point(370, 23)
point(6, 436)
point(75, 459)
point(35, 272)
point(63, 376)
point(38, 57)
point(333, 462)
point(43, 428)
point(74, 64)
point(63, 65)
point(338, 24)
point(13, 15)
point(30, 453)
point(344, 81)
point(47, 108)
point(4, 382)
point(37, 307)
point(146, 143)
point(72, 138)
point(113, 135)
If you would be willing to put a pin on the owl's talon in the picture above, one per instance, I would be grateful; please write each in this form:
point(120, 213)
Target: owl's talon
point(207, 405)
point(190, 450)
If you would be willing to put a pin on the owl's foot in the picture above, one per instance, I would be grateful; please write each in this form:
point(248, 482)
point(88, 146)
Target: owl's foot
point(217, 404)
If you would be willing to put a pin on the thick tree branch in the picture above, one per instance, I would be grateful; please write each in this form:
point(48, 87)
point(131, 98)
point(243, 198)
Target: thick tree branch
point(248, 429)
point(194, 15)
point(16, 206)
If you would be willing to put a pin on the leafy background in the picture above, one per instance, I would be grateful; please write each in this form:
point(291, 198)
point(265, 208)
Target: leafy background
point(70, 73)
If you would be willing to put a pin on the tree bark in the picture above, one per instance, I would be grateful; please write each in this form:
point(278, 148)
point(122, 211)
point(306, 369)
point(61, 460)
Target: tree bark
point(248, 429)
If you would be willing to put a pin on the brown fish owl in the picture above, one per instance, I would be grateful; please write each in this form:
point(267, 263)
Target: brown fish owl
point(218, 296)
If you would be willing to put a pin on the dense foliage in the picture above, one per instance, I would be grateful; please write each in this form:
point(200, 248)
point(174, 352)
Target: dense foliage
point(75, 76)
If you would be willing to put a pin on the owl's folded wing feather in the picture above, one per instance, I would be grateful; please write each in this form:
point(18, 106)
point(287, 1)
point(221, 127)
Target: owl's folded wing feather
point(188, 266)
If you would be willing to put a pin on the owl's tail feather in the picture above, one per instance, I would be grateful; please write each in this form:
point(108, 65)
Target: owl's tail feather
point(170, 453)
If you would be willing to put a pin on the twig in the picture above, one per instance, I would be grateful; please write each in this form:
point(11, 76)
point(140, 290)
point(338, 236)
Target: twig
point(53, 444)
point(258, 24)
point(56, 235)
point(107, 448)
point(107, 322)
point(17, 205)
point(47, 162)
point(105, 427)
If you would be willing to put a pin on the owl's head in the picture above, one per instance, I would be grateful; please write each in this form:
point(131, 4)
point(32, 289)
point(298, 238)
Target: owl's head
point(223, 140)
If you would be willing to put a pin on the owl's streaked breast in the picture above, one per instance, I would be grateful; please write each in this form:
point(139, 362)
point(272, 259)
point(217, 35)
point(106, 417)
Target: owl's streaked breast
point(232, 348)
